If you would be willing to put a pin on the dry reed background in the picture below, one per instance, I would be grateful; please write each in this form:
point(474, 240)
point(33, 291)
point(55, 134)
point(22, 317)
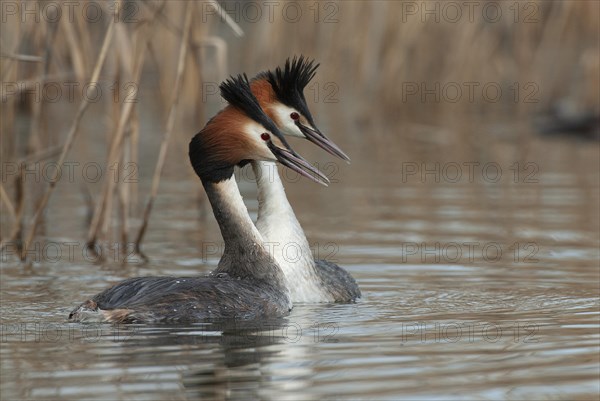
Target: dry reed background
point(175, 51)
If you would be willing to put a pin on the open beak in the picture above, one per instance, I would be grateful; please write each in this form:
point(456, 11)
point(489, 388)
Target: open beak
point(295, 162)
point(316, 137)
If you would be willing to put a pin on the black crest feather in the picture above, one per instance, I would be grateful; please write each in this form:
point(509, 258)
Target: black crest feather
point(289, 83)
point(296, 74)
point(237, 92)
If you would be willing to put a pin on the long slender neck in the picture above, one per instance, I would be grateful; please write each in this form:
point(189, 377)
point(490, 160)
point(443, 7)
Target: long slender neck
point(276, 219)
point(244, 255)
point(285, 238)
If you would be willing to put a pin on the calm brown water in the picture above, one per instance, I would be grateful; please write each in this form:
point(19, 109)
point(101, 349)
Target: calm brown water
point(479, 287)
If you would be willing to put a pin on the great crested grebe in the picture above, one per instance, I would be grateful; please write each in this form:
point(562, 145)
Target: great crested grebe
point(281, 95)
point(253, 286)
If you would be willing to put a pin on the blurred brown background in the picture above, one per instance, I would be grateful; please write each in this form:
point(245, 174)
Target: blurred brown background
point(433, 79)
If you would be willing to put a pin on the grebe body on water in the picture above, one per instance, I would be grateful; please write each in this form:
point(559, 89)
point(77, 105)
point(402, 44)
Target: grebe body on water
point(251, 284)
point(281, 95)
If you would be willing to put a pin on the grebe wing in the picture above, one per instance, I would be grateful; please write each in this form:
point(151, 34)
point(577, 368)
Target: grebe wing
point(338, 280)
point(185, 299)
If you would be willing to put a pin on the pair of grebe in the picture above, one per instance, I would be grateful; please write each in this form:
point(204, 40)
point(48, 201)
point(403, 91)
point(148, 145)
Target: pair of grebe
point(249, 282)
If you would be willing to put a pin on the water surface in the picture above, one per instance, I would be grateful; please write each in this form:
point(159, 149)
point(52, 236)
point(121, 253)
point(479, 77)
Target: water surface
point(479, 288)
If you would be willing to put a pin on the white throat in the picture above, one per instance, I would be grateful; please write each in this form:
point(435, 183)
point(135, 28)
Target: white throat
point(284, 237)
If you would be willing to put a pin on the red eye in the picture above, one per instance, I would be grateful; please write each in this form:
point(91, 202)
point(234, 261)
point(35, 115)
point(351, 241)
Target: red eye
point(295, 116)
point(265, 137)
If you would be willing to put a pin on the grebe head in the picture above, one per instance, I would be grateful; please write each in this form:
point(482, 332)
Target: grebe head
point(240, 133)
point(282, 96)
